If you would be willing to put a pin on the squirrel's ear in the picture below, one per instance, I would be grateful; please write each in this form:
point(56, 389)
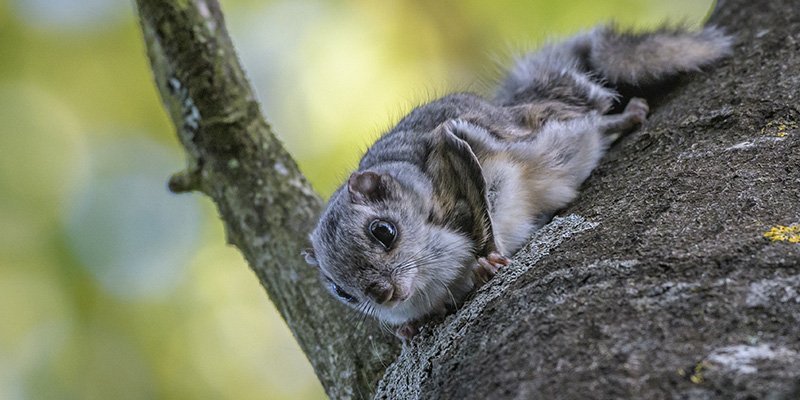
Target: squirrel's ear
point(456, 172)
point(310, 257)
point(366, 186)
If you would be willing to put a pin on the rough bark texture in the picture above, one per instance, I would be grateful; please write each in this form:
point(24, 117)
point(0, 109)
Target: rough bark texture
point(659, 283)
point(656, 283)
point(266, 204)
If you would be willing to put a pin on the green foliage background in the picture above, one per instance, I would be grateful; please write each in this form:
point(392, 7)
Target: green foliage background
point(112, 288)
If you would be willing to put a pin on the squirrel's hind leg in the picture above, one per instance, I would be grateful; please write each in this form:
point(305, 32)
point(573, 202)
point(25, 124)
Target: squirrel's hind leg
point(615, 125)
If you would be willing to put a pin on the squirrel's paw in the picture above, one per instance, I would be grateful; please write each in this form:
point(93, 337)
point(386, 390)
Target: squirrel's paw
point(637, 110)
point(489, 265)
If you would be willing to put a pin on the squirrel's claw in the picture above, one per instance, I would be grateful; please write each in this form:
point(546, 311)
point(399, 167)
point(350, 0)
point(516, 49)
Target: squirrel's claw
point(489, 265)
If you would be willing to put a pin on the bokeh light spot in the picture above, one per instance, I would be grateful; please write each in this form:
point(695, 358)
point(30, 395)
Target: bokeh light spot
point(71, 14)
point(133, 236)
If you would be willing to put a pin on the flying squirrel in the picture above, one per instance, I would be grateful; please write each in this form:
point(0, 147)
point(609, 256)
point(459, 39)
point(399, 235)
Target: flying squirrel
point(440, 201)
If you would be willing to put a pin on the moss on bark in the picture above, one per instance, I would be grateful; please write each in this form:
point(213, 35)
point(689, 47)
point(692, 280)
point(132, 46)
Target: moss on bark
point(659, 283)
point(266, 204)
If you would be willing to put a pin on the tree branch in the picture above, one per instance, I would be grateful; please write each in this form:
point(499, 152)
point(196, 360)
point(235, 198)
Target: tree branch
point(266, 204)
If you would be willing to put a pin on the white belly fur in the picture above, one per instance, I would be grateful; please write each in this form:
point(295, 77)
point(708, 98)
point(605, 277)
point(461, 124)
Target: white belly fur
point(512, 211)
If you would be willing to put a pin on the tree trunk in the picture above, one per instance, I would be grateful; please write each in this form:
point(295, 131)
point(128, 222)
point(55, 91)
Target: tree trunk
point(658, 282)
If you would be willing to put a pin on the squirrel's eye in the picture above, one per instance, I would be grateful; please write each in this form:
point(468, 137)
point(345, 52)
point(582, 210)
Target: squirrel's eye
point(383, 231)
point(341, 293)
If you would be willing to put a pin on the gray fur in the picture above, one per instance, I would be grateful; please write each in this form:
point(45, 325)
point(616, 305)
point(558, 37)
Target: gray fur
point(462, 177)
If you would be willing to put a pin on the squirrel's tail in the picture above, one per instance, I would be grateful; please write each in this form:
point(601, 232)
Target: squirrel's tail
point(649, 58)
point(587, 69)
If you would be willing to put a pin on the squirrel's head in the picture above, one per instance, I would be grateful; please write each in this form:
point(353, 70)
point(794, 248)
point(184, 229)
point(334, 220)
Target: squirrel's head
point(380, 248)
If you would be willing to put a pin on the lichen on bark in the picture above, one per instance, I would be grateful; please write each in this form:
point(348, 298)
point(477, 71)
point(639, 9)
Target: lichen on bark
point(658, 283)
point(266, 204)
point(675, 293)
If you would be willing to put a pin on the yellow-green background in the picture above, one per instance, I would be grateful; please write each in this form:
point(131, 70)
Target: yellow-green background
point(111, 288)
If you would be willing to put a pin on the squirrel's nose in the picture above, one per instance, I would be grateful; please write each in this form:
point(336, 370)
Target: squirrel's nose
point(380, 292)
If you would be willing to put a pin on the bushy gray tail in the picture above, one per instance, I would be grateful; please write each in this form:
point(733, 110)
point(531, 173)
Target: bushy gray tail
point(587, 69)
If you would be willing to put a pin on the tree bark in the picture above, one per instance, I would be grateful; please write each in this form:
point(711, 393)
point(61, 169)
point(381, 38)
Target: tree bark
point(266, 204)
point(658, 282)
